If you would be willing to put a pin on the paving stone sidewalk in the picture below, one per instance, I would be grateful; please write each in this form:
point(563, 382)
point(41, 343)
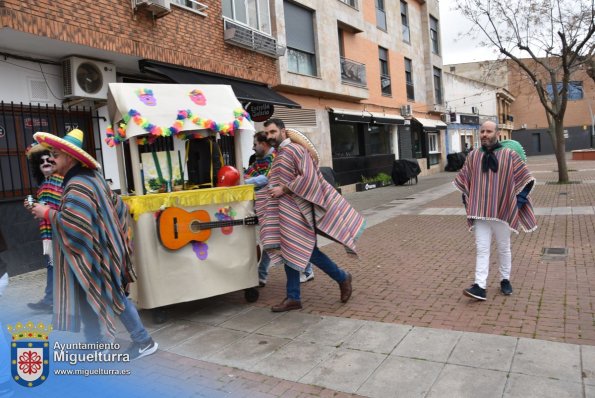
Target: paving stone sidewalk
point(407, 331)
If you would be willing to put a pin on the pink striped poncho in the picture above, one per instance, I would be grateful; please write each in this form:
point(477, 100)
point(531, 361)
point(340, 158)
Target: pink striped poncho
point(289, 223)
point(492, 196)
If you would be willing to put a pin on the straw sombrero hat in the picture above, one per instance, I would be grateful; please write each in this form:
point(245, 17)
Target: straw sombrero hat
point(72, 144)
point(515, 146)
point(300, 138)
point(35, 147)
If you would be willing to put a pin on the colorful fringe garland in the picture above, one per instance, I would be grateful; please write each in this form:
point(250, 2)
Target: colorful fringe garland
point(116, 137)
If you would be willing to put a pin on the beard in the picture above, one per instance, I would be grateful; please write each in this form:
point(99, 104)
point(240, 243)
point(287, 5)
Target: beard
point(273, 142)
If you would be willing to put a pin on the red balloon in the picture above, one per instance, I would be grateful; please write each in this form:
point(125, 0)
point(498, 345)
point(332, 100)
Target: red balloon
point(228, 176)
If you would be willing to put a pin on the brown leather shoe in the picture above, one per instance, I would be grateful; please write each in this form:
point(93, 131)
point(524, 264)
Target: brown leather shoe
point(287, 305)
point(346, 289)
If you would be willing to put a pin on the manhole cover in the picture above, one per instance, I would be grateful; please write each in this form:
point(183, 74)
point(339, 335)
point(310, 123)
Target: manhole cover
point(554, 253)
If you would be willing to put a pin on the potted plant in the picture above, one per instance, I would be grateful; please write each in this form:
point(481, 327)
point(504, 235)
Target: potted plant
point(380, 180)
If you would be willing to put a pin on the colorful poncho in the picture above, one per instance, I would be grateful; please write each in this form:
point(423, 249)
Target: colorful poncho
point(289, 223)
point(261, 166)
point(50, 193)
point(92, 247)
point(492, 195)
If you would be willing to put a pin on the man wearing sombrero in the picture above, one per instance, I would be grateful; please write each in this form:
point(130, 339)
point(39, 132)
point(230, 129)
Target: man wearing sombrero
point(298, 204)
point(92, 250)
point(495, 183)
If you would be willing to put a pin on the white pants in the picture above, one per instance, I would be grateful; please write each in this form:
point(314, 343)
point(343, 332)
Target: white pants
point(483, 238)
point(3, 283)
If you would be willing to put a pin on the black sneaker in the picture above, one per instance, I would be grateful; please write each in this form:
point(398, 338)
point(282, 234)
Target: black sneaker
point(505, 287)
point(41, 306)
point(476, 292)
point(139, 350)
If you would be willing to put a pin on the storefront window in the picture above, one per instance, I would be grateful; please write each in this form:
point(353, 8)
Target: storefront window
point(417, 152)
point(433, 148)
point(345, 140)
point(380, 140)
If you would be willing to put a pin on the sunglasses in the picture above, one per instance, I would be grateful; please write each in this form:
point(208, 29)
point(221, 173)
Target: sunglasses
point(47, 159)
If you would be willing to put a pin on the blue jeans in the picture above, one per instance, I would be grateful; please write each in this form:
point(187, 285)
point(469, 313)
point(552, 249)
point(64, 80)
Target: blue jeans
point(320, 260)
point(265, 262)
point(133, 324)
point(263, 266)
point(48, 297)
point(129, 317)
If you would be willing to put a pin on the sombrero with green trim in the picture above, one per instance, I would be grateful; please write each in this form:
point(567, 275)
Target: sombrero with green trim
point(515, 146)
point(72, 144)
point(300, 138)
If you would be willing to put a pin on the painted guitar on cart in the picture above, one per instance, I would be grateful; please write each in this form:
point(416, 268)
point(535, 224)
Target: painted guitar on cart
point(177, 227)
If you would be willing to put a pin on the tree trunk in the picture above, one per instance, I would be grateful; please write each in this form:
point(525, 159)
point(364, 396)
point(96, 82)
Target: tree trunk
point(560, 150)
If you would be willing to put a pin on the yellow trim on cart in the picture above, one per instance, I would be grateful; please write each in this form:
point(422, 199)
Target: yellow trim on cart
point(197, 197)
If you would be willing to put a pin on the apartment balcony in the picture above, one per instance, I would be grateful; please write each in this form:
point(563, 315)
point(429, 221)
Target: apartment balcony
point(385, 85)
point(506, 122)
point(347, 82)
point(353, 73)
point(352, 3)
point(246, 37)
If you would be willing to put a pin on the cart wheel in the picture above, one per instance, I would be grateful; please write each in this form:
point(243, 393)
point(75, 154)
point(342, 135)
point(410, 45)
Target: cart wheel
point(159, 315)
point(251, 295)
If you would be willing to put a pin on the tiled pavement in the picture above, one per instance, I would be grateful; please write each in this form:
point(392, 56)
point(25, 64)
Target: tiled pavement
point(407, 331)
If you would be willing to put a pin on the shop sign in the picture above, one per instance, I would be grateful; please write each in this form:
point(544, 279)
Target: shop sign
point(466, 119)
point(2, 132)
point(70, 126)
point(30, 122)
point(260, 112)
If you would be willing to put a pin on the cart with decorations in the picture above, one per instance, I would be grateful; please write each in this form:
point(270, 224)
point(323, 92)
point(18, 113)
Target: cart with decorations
point(190, 242)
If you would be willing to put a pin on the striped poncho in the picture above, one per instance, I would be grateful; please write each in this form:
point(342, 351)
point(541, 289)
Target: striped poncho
point(492, 195)
point(50, 193)
point(289, 223)
point(92, 247)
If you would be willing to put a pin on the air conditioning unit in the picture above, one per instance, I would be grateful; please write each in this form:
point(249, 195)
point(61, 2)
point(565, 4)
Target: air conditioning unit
point(445, 117)
point(475, 110)
point(406, 110)
point(524, 126)
point(158, 8)
point(86, 78)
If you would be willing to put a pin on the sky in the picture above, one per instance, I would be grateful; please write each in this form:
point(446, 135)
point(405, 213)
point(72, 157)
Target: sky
point(457, 49)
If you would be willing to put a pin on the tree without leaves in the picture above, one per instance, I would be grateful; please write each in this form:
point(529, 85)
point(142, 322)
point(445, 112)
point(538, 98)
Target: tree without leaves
point(548, 40)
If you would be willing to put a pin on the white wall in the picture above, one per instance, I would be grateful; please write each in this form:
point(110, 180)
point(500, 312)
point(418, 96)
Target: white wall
point(23, 81)
point(461, 94)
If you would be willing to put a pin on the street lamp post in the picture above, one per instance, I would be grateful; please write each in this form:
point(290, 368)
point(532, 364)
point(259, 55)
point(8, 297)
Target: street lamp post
point(592, 124)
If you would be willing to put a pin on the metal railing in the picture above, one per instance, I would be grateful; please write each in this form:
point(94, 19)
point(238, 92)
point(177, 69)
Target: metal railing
point(410, 91)
point(353, 72)
point(18, 123)
point(385, 85)
point(245, 36)
point(352, 3)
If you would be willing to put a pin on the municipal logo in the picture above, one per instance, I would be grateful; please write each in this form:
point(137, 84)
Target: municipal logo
point(30, 353)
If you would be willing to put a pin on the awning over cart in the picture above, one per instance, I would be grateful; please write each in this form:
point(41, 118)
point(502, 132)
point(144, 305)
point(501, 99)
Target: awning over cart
point(166, 109)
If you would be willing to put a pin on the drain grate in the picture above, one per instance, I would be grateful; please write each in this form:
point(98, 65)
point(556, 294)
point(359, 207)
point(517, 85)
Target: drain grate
point(556, 182)
point(563, 193)
point(554, 253)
